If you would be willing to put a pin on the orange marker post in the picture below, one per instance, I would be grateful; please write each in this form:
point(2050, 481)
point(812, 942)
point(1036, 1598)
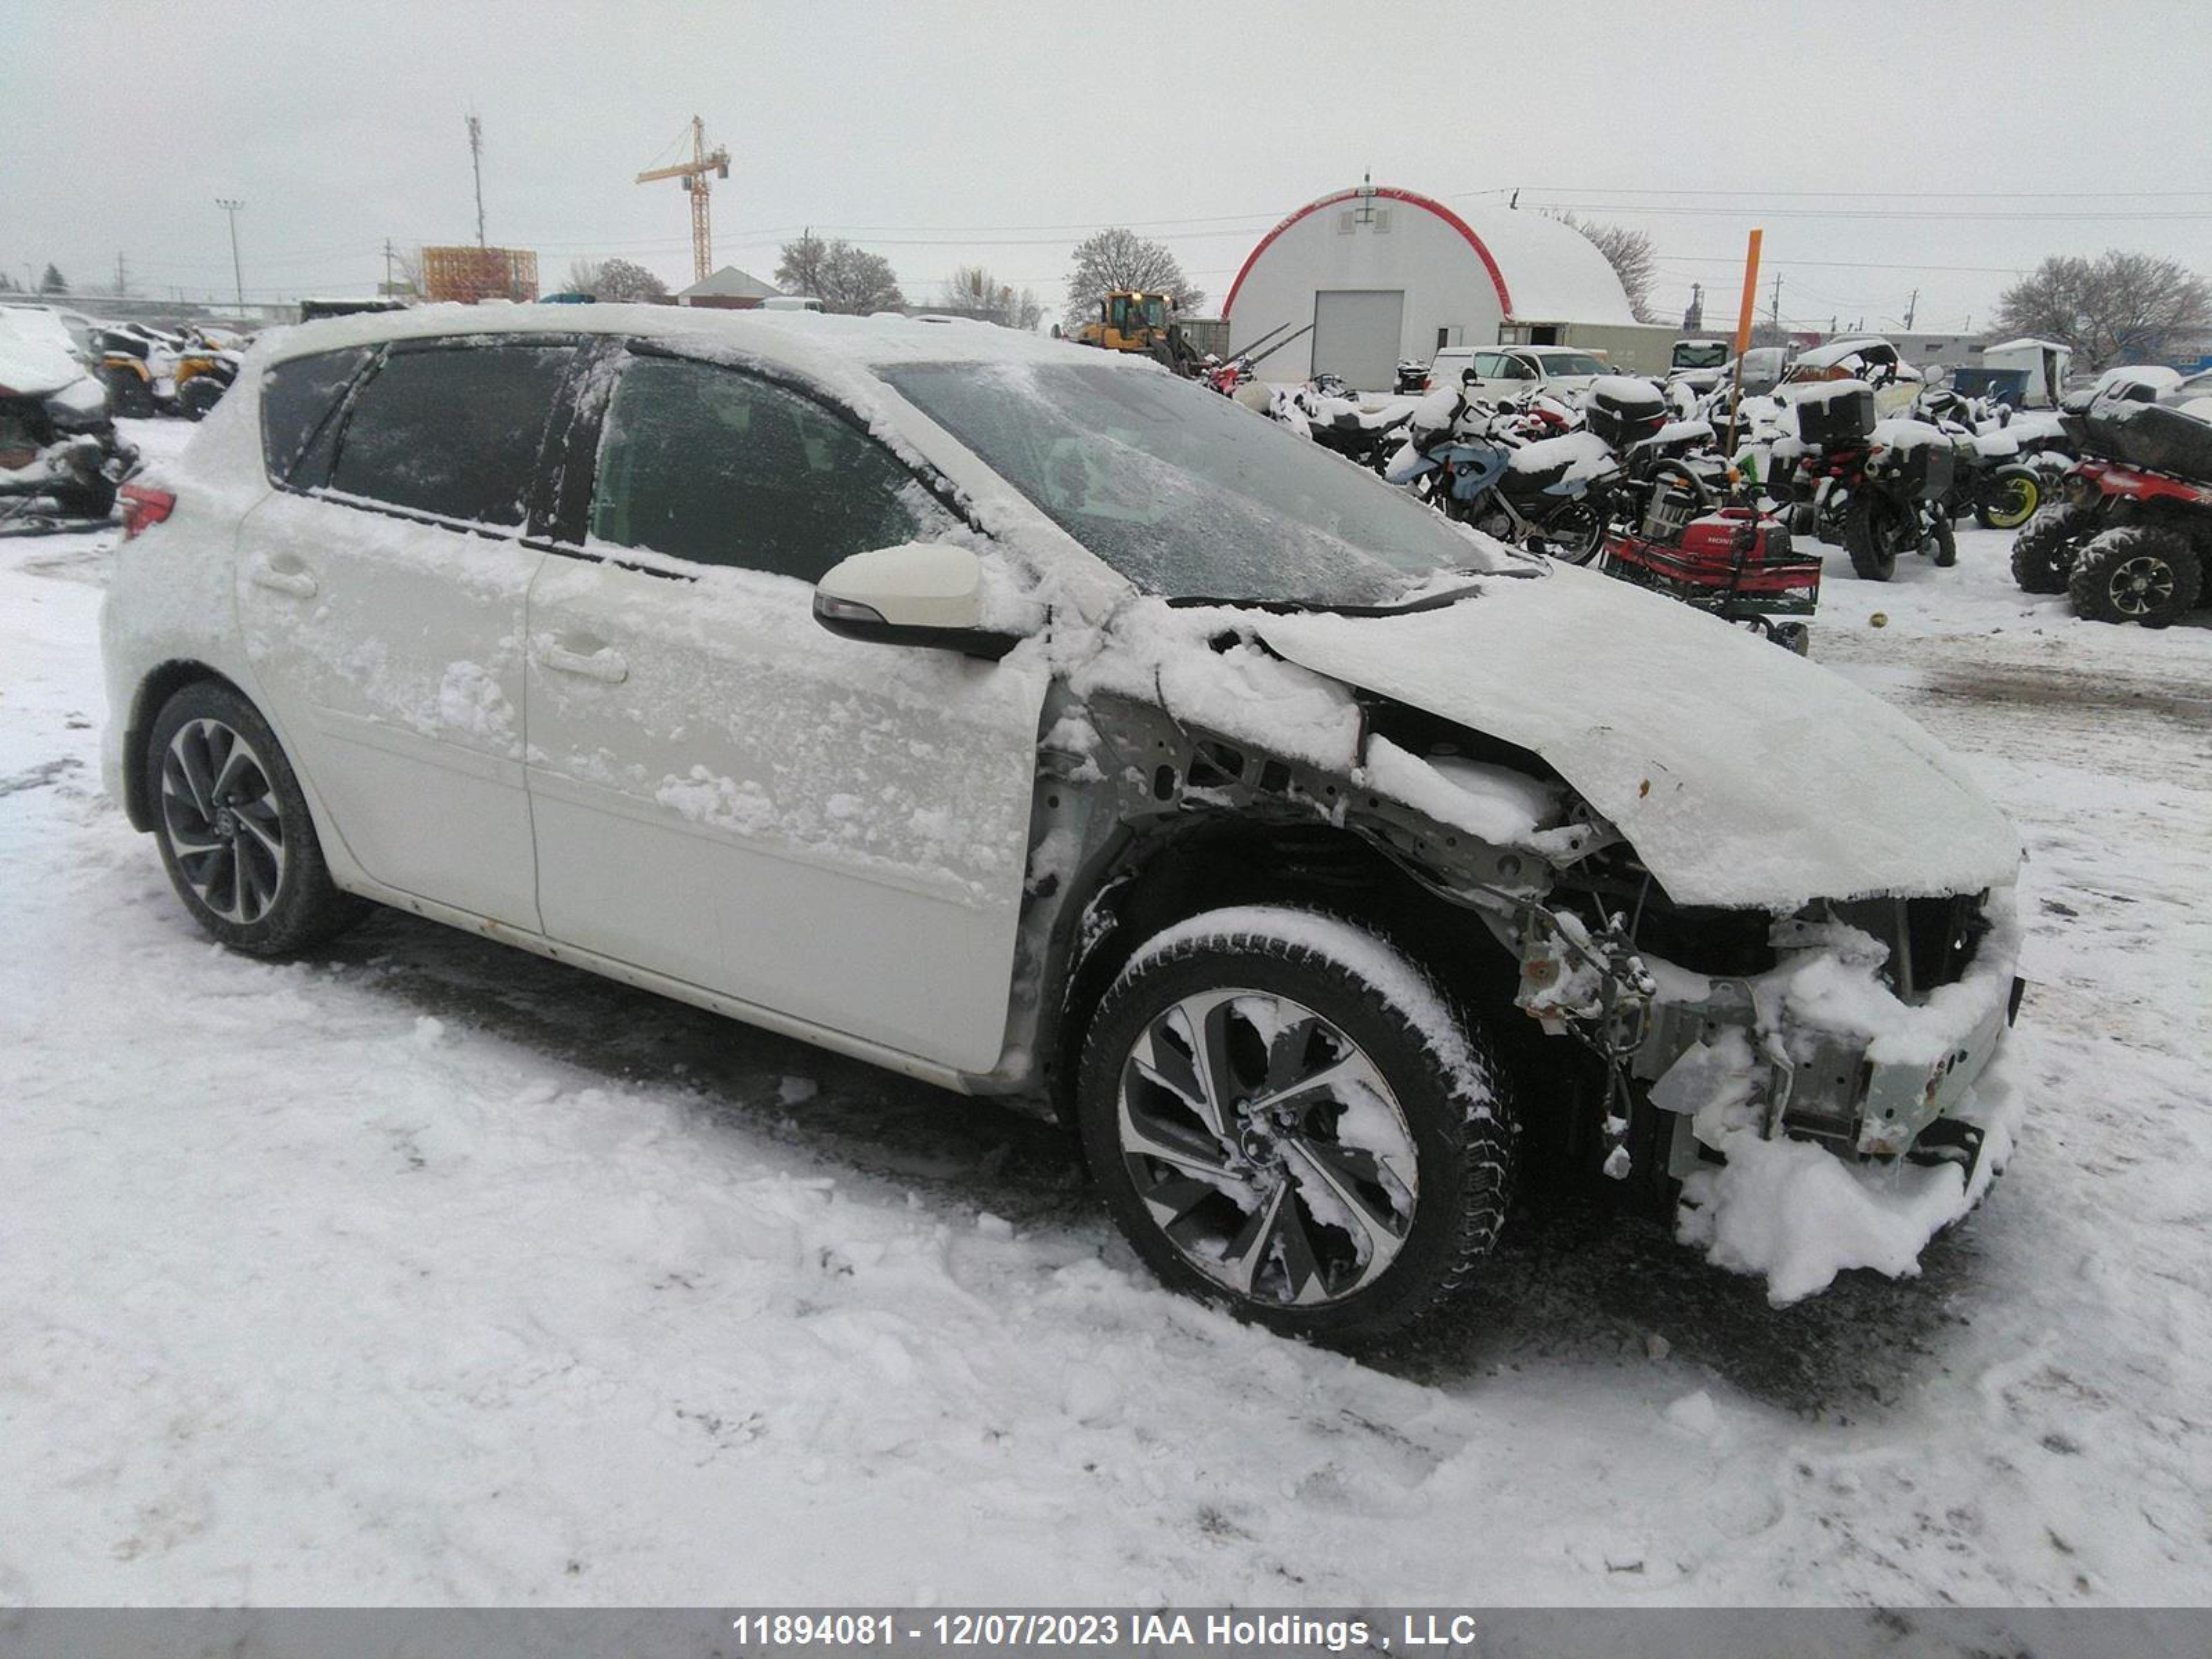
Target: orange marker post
point(1743, 315)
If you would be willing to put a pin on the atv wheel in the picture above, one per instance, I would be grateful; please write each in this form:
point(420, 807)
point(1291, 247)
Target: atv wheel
point(1877, 530)
point(1289, 1119)
point(2043, 554)
point(128, 395)
point(2138, 572)
point(2011, 500)
point(199, 396)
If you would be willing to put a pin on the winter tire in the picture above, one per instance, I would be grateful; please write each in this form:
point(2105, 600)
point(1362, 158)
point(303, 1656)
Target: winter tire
point(2138, 572)
point(234, 828)
point(1877, 530)
point(2009, 499)
point(2043, 554)
point(1289, 1120)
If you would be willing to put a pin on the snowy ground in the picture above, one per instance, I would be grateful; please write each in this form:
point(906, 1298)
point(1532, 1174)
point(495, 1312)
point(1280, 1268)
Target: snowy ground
point(424, 1271)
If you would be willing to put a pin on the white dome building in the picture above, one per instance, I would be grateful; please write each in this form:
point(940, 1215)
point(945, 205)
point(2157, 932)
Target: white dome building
point(1384, 274)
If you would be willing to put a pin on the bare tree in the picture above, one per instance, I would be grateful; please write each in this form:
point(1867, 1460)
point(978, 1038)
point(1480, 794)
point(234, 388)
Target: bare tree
point(1118, 258)
point(974, 289)
point(619, 281)
point(843, 277)
point(584, 277)
point(1632, 255)
point(2117, 307)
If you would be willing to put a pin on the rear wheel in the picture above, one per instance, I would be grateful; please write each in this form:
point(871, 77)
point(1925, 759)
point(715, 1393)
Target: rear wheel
point(2137, 573)
point(2010, 499)
point(1289, 1119)
point(1877, 530)
point(1576, 531)
point(234, 827)
point(2043, 554)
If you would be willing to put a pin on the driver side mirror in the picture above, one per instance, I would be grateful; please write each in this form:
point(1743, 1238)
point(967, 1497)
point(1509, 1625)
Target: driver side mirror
point(920, 594)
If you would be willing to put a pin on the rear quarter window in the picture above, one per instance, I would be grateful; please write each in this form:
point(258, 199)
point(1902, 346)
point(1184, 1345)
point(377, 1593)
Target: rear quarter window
point(453, 431)
point(298, 397)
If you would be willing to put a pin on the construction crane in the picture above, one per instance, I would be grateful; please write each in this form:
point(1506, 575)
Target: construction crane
point(694, 176)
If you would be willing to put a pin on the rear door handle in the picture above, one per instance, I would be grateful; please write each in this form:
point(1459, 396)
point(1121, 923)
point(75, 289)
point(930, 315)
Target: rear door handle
point(298, 583)
point(603, 665)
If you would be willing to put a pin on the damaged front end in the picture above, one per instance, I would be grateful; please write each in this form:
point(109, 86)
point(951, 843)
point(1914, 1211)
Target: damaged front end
point(1860, 1027)
point(1848, 1034)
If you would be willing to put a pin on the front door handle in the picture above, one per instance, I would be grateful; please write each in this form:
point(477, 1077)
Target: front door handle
point(298, 583)
point(603, 665)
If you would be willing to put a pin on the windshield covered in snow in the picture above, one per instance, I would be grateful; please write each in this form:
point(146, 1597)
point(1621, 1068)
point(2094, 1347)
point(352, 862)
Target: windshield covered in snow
point(1184, 492)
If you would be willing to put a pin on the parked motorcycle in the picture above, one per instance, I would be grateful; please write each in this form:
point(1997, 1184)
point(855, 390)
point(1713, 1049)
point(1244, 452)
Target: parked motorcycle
point(1480, 466)
point(1988, 479)
point(57, 439)
point(1874, 489)
point(1413, 378)
point(1335, 420)
point(2132, 537)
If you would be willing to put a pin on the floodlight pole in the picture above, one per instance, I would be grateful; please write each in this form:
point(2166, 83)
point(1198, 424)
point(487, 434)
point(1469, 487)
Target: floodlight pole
point(231, 207)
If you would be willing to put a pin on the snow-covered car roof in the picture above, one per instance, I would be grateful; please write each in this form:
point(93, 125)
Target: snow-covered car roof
point(805, 340)
point(37, 354)
point(1872, 347)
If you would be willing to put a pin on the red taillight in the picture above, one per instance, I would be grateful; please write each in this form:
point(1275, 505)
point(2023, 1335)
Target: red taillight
point(142, 508)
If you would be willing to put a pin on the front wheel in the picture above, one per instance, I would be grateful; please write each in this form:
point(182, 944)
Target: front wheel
point(2010, 499)
point(2043, 554)
point(1877, 530)
point(234, 827)
point(1289, 1119)
point(2137, 573)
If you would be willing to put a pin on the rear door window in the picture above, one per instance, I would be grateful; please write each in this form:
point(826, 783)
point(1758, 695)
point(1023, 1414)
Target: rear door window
point(454, 430)
point(298, 398)
point(717, 466)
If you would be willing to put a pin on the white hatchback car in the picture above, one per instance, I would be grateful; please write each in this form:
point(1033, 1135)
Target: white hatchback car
point(1028, 720)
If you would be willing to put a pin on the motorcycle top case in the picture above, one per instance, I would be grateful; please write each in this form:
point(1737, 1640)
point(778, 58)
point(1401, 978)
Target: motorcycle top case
point(1836, 414)
point(2153, 436)
point(1623, 411)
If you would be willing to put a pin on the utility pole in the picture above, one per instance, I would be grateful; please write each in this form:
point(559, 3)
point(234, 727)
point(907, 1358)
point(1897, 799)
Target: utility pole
point(231, 205)
point(475, 165)
point(1911, 305)
point(121, 277)
point(1774, 311)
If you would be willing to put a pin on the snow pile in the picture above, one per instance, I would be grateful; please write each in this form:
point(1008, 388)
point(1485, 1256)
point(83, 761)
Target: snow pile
point(1902, 433)
point(1491, 803)
point(1577, 457)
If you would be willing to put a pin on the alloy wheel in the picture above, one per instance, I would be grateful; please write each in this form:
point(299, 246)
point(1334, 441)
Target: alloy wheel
point(1266, 1147)
point(224, 827)
point(2142, 585)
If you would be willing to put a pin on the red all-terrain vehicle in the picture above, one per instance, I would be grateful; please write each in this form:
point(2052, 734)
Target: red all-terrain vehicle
point(2131, 536)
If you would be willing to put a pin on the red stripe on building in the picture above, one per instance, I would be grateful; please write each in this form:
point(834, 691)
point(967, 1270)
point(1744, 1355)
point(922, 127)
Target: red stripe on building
point(1497, 277)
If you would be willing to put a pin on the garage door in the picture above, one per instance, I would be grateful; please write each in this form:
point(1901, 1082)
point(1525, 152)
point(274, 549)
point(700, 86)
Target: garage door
point(1356, 334)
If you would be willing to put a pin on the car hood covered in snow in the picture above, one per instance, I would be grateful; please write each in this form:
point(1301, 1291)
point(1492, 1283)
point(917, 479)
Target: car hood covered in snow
point(1742, 775)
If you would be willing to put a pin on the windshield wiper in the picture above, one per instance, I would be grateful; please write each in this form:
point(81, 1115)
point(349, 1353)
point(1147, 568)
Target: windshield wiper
point(1308, 607)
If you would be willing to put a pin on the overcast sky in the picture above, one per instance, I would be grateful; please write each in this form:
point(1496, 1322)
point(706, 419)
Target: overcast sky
point(1881, 146)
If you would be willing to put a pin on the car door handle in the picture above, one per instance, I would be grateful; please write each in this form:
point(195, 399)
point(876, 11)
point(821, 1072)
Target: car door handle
point(298, 583)
point(602, 664)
